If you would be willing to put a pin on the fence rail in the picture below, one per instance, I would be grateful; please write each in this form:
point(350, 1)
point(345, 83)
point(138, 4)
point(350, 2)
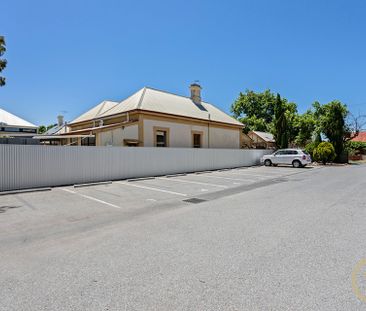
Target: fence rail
point(25, 166)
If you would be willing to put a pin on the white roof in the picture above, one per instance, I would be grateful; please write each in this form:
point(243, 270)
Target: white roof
point(268, 137)
point(96, 112)
point(8, 119)
point(153, 100)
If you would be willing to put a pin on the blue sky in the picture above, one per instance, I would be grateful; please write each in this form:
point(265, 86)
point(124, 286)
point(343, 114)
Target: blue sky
point(67, 56)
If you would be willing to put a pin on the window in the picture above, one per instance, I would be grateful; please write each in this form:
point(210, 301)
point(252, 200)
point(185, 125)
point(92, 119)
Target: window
point(88, 141)
point(161, 136)
point(161, 140)
point(11, 129)
point(26, 130)
point(197, 140)
point(73, 141)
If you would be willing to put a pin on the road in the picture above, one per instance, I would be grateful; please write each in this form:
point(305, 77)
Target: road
point(286, 240)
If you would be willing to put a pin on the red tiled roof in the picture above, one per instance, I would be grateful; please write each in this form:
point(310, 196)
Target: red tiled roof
point(360, 137)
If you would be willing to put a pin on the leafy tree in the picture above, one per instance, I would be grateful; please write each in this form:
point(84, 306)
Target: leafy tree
point(255, 110)
point(305, 125)
point(355, 147)
point(291, 118)
point(3, 62)
point(324, 153)
point(280, 130)
point(331, 121)
point(41, 129)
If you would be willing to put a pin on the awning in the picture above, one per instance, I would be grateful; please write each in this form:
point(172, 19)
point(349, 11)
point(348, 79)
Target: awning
point(131, 141)
point(61, 137)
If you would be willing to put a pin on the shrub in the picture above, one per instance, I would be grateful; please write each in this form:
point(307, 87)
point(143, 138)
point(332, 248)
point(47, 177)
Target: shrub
point(355, 147)
point(324, 152)
point(309, 148)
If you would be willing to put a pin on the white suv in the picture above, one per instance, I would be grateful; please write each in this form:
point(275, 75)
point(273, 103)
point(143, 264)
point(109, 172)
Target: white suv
point(294, 157)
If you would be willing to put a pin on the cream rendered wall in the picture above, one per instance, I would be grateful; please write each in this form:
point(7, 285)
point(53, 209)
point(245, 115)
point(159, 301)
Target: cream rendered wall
point(224, 138)
point(116, 136)
point(180, 135)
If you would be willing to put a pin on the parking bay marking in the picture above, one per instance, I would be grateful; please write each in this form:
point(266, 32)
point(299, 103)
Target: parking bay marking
point(195, 182)
point(90, 198)
point(151, 188)
point(228, 178)
point(255, 175)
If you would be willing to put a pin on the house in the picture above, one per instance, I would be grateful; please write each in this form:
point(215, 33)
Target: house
point(13, 126)
point(155, 118)
point(262, 140)
point(246, 142)
point(52, 135)
point(361, 137)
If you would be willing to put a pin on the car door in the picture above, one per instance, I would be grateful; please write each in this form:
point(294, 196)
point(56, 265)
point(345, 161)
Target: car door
point(278, 157)
point(287, 157)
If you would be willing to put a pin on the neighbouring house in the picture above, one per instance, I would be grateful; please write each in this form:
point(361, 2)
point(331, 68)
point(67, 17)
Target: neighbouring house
point(246, 142)
point(15, 130)
point(361, 137)
point(262, 140)
point(53, 135)
point(361, 153)
point(155, 118)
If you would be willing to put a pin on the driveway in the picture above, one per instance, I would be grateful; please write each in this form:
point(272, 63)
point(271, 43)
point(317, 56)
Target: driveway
point(260, 238)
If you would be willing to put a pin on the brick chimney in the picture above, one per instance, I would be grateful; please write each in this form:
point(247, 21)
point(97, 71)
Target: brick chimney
point(195, 93)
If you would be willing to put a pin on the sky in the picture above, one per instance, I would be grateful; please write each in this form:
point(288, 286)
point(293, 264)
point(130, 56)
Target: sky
point(65, 57)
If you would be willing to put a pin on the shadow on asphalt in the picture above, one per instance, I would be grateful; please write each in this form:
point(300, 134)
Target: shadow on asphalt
point(290, 166)
point(4, 208)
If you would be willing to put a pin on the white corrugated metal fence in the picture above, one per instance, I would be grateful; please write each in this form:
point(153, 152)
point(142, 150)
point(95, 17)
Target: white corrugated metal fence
point(24, 166)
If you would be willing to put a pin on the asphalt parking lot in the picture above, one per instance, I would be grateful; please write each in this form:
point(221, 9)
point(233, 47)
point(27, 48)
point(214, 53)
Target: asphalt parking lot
point(258, 238)
point(65, 205)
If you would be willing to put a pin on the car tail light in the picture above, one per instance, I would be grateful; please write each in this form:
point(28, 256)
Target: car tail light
point(304, 157)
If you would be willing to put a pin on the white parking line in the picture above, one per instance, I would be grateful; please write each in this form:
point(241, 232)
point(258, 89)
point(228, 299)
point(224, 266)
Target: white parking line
point(90, 198)
point(151, 188)
point(254, 175)
point(227, 178)
point(194, 182)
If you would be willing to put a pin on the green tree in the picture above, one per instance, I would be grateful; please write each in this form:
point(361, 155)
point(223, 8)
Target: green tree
point(3, 62)
point(255, 110)
point(331, 121)
point(41, 129)
point(291, 118)
point(355, 147)
point(305, 125)
point(280, 124)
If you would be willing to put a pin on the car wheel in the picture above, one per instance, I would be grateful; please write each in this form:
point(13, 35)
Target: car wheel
point(296, 163)
point(268, 162)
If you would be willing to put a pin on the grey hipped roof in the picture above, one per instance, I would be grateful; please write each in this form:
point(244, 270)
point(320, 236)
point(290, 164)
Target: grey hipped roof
point(56, 130)
point(153, 100)
point(267, 137)
point(96, 111)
